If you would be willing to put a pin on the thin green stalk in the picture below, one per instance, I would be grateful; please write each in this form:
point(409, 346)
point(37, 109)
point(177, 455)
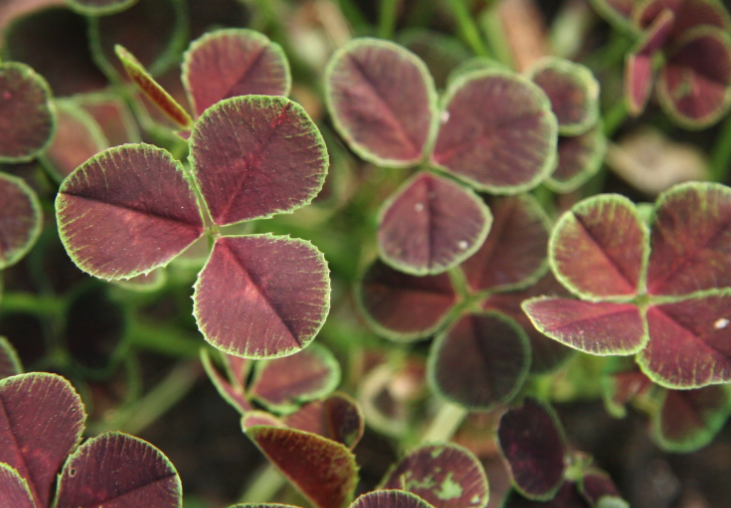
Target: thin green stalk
point(468, 30)
point(164, 339)
point(352, 13)
point(445, 423)
point(387, 19)
point(721, 154)
point(266, 483)
point(615, 117)
point(32, 304)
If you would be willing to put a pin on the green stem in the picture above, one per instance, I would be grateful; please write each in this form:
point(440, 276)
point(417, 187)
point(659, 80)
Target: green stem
point(387, 19)
point(468, 30)
point(32, 304)
point(615, 117)
point(164, 339)
point(445, 423)
point(721, 154)
point(352, 13)
point(266, 483)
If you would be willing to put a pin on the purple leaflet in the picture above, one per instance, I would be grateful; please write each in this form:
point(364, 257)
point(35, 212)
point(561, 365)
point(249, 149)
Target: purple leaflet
point(233, 62)
point(497, 132)
point(26, 121)
point(567, 496)
point(14, 489)
point(20, 219)
point(579, 158)
point(118, 219)
point(262, 296)
point(688, 14)
point(116, 469)
point(532, 443)
point(390, 499)
point(337, 417)
point(231, 391)
point(9, 361)
point(382, 100)
point(431, 225)
point(257, 156)
point(595, 485)
point(253, 418)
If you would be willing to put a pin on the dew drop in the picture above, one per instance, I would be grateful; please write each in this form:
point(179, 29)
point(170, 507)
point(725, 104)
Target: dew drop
point(721, 324)
point(72, 472)
point(463, 244)
point(419, 207)
point(445, 117)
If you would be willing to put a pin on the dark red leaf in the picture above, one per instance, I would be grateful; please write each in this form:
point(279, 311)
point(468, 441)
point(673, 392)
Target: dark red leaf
point(9, 361)
point(404, 307)
point(573, 92)
point(283, 384)
point(547, 354)
point(337, 418)
point(116, 469)
point(624, 385)
point(41, 421)
point(480, 361)
point(100, 7)
point(257, 156)
point(598, 248)
point(20, 219)
point(232, 393)
point(324, 471)
point(78, 138)
point(262, 296)
point(567, 497)
point(127, 211)
point(514, 253)
point(389, 499)
point(233, 62)
point(690, 419)
point(113, 116)
point(382, 100)
point(690, 342)
point(597, 328)
point(595, 485)
point(446, 476)
point(152, 89)
point(694, 86)
point(497, 132)
point(531, 441)
point(14, 490)
point(431, 225)
point(579, 158)
point(254, 418)
point(691, 240)
point(26, 121)
point(688, 14)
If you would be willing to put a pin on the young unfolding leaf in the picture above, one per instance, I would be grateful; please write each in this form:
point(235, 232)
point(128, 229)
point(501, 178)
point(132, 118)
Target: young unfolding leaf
point(598, 248)
point(27, 123)
point(116, 469)
point(322, 470)
point(100, 7)
point(78, 138)
point(337, 417)
point(579, 158)
point(573, 92)
point(283, 384)
point(9, 361)
point(446, 476)
point(497, 132)
point(532, 443)
point(568, 496)
point(257, 156)
point(14, 489)
point(20, 219)
point(431, 225)
point(514, 253)
point(35, 449)
point(480, 361)
point(382, 100)
point(625, 384)
point(233, 62)
point(404, 307)
point(127, 211)
point(275, 292)
point(231, 390)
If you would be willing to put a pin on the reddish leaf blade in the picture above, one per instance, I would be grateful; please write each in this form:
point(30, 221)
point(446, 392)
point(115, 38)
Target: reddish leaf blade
point(498, 132)
point(691, 240)
point(598, 248)
point(382, 100)
point(338, 418)
point(231, 393)
point(689, 419)
point(694, 86)
point(28, 442)
point(431, 225)
point(283, 384)
point(389, 499)
point(597, 328)
point(257, 156)
point(127, 211)
point(404, 307)
point(482, 360)
point(596, 485)
point(112, 116)
point(446, 476)
point(688, 14)
point(118, 470)
point(14, 490)
point(532, 443)
point(78, 138)
point(20, 219)
point(233, 62)
point(157, 94)
point(26, 121)
point(322, 470)
point(262, 296)
point(547, 354)
point(624, 385)
point(100, 7)
point(579, 158)
point(567, 497)
point(9, 361)
point(514, 253)
point(254, 418)
point(573, 92)
point(690, 342)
